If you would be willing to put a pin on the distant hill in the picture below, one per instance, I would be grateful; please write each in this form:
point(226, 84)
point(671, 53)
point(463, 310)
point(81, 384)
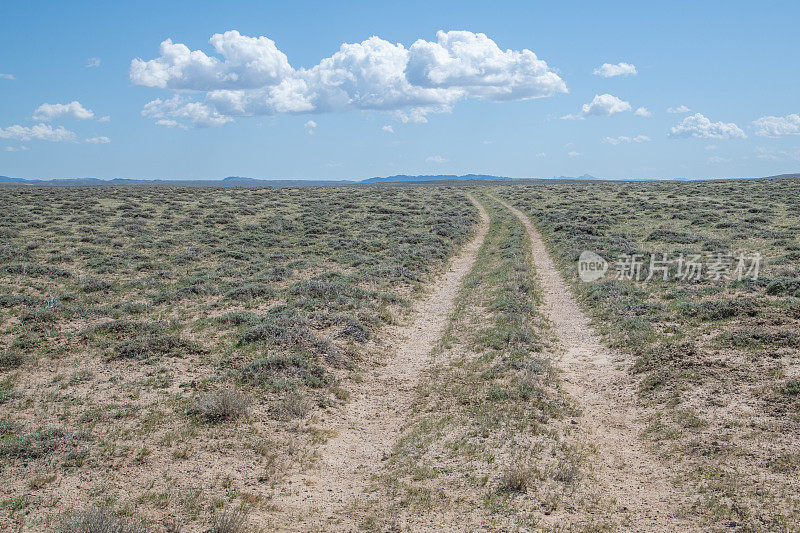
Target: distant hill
point(584, 177)
point(230, 181)
point(432, 177)
point(240, 181)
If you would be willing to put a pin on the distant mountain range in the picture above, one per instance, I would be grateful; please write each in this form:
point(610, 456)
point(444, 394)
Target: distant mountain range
point(238, 181)
point(230, 181)
point(433, 177)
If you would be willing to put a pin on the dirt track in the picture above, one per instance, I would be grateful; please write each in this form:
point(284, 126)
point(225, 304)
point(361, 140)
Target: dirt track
point(370, 424)
point(326, 496)
point(637, 482)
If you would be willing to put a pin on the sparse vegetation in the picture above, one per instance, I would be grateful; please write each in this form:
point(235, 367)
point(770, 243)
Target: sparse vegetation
point(230, 521)
point(139, 325)
point(226, 404)
point(488, 440)
point(98, 520)
point(713, 358)
point(147, 332)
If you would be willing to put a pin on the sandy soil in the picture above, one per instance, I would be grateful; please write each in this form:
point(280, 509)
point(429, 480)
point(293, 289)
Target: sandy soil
point(325, 498)
point(595, 377)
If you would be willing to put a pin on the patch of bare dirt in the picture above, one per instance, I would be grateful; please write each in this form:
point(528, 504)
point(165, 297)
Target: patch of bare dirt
point(325, 497)
point(638, 482)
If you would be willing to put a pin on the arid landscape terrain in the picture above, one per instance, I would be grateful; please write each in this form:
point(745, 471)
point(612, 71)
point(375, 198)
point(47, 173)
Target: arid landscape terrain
point(407, 267)
point(394, 357)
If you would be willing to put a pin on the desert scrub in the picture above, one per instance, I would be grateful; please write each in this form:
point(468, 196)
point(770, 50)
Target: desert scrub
point(98, 520)
point(225, 404)
point(163, 294)
point(720, 349)
point(489, 426)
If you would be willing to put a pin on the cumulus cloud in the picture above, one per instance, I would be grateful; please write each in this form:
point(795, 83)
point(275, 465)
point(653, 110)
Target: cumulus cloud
point(310, 125)
point(678, 110)
point(603, 105)
point(387, 128)
point(7, 77)
point(624, 139)
point(73, 110)
point(771, 126)
point(700, 127)
point(435, 159)
point(98, 140)
point(169, 112)
point(93, 62)
point(573, 153)
point(17, 148)
point(252, 76)
point(643, 112)
point(105, 118)
point(39, 132)
point(607, 70)
point(247, 63)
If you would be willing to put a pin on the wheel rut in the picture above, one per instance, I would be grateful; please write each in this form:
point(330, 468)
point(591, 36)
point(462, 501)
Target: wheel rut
point(325, 497)
point(636, 481)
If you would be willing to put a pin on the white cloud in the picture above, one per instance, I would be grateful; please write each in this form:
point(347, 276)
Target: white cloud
point(776, 154)
point(419, 115)
point(607, 70)
point(98, 140)
point(771, 126)
point(253, 77)
point(541, 155)
point(435, 159)
point(169, 123)
point(73, 110)
point(700, 127)
point(678, 110)
point(93, 62)
point(624, 139)
point(473, 64)
point(387, 128)
point(17, 148)
point(573, 153)
point(7, 77)
point(603, 105)
point(310, 125)
point(248, 63)
point(643, 112)
point(167, 113)
point(40, 132)
point(105, 118)
point(715, 159)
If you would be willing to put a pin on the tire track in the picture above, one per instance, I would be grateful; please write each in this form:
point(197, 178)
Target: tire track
point(636, 481)
point(367, 428)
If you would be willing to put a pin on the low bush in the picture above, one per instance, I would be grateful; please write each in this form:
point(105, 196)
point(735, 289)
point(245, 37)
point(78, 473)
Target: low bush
point(98, 520)
point(146, 346)
point(225, 404)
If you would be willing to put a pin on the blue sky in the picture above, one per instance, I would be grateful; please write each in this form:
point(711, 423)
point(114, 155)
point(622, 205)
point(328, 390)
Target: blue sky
point(497, 112)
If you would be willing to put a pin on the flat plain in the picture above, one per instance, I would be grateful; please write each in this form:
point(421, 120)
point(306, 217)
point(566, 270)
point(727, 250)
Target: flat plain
point(186, 359)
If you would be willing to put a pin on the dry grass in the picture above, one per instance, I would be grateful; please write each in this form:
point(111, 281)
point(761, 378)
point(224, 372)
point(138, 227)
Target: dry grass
point(717, 361)
point(98, 520)
point(148, 332)
point(225, 404)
